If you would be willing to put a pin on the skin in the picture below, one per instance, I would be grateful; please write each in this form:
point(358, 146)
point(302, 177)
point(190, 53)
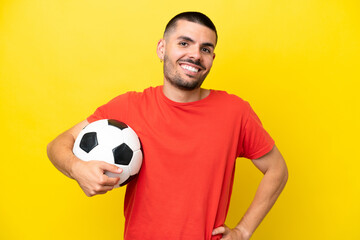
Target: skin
point(273, 166)
point(187, 45)
point(90, 175)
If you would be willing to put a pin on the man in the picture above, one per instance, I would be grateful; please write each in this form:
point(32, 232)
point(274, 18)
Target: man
point(191, 138)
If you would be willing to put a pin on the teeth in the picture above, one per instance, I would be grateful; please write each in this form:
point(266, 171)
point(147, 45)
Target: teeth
point(191, 69)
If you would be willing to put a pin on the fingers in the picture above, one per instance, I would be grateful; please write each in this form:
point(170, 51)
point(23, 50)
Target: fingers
point(107, 183)
point(220, 230)
point(224, 230)
point(110, 181)
point(92, 179)
point(229, 234)
point(91, 193)
point(102, 186)
point(110, 167)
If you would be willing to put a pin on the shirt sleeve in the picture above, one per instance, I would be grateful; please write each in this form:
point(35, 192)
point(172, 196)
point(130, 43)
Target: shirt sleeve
point(256, 141)
point(114, 109)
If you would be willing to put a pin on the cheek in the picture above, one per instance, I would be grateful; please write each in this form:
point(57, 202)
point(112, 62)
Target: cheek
point(175, 53)
point(209, 63)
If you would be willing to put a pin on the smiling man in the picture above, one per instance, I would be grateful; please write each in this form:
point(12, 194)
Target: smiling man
point(190, 46)
point(191, 138)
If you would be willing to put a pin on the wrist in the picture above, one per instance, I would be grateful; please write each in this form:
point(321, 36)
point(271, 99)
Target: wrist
point(243, 232)
point(73, 166)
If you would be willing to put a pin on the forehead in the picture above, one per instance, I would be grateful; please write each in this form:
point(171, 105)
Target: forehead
point(192, 30)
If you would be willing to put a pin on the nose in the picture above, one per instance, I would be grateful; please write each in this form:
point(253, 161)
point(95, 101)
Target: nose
point(195, 53)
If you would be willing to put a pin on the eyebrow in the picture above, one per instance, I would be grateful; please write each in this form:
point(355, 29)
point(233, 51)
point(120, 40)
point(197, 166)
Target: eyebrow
point(192, 41)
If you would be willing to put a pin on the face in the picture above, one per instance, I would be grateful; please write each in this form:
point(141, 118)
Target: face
point(188, 54)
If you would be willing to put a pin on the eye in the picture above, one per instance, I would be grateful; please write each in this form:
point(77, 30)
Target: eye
point(183, 44)
point(206, 50)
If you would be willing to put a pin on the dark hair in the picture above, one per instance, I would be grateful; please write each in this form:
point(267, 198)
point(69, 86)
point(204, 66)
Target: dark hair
point(195, 17)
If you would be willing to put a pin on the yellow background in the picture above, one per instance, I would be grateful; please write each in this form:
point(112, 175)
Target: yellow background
point(296, 62)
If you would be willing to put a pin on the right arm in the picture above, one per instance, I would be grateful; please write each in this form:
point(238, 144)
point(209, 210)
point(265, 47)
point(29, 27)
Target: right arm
point(90, 175)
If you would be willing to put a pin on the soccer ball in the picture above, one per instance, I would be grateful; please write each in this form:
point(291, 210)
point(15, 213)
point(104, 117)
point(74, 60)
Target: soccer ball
point(114, 142)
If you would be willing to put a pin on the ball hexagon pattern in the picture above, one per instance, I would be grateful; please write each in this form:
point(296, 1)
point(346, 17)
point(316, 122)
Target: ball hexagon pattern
point(114, 142)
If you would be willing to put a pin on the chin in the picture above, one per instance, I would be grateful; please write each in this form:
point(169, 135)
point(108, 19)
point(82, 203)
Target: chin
point(183, 81)
point(185, 85)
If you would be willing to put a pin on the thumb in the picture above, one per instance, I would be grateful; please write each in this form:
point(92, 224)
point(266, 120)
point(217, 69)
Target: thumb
point(110, 167)
point(219, 230)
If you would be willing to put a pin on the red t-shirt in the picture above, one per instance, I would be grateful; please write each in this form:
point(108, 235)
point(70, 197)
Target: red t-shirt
point(184, 186)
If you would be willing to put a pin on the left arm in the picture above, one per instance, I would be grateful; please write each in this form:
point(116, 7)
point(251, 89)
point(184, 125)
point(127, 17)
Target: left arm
point(273, 166)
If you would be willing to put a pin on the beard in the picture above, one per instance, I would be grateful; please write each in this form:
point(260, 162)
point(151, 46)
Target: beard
point(175, 79)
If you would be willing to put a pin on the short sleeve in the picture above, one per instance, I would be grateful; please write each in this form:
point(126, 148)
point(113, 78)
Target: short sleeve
point(114, 109)
point(256, 141)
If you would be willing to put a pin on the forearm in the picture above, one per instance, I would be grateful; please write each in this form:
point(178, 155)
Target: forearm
point(270, 187)
point(60, 153)
point(90, 175)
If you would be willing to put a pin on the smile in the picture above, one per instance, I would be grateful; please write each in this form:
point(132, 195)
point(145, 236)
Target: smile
point(190, 68)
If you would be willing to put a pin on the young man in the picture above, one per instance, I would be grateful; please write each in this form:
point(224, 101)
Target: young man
point(191, 138)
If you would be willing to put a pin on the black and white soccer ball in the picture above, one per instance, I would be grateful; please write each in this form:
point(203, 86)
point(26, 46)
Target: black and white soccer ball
point(114, 142)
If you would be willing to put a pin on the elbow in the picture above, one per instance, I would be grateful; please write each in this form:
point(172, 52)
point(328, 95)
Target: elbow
point(285, 175)
point(49, 146)
point(48, 149)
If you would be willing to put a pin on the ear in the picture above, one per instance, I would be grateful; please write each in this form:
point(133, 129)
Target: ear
point(160, 50)
point(213, 56)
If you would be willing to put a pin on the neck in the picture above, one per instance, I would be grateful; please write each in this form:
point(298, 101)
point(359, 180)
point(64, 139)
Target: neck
point(183, 96)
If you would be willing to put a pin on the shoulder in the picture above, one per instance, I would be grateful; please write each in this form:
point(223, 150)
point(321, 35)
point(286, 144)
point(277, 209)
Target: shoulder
point(135, 95)
point(230, 100)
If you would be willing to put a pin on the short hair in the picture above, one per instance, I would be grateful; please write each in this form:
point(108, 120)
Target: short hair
point(195, 17)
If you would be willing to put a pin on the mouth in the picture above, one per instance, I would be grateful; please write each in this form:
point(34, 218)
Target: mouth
point(190, 68)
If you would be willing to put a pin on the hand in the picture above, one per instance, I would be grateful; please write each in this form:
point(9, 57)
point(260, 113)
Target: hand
point(230, 234)
point(91, 176)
